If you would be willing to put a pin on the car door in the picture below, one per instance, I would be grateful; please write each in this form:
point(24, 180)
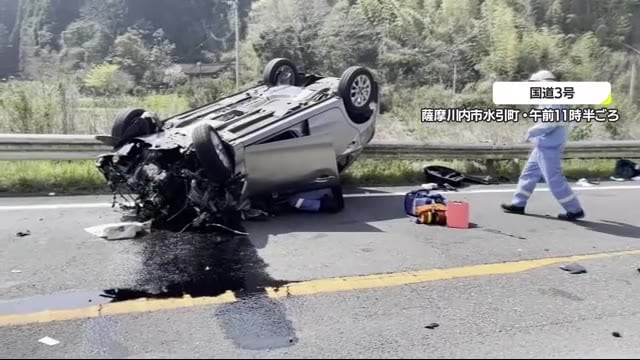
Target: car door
point(298, 164)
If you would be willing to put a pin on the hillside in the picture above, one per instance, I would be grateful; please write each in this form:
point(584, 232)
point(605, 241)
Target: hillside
point(38, 28)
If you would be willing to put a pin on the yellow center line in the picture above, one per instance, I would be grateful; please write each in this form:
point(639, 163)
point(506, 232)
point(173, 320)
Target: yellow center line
point(308, 287)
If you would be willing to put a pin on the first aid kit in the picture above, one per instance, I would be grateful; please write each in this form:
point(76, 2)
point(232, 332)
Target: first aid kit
point(415, 198)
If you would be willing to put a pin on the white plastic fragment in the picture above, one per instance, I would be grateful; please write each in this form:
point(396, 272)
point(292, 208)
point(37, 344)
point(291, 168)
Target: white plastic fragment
point(429, 186)
point(16, 271)
point(584, 182)
point(119, 231)
point(49, 341)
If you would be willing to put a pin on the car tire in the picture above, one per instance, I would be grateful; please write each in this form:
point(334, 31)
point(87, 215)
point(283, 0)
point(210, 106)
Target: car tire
point(275, 68)
point(215, 156)
point(358, 89)
point(128, 125)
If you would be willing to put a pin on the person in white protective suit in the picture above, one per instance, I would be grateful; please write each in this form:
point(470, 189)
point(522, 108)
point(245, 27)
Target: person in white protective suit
point(545, 162)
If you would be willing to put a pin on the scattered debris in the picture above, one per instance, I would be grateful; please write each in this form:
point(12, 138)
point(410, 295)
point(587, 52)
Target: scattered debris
point(449, 178)
point(23, 233)
point(574, 268)
point(616, 334)
point(432, 326)
point(586, 182)
point(52, 194)
point(16, 271)
point(119, 231)
point(49, 341)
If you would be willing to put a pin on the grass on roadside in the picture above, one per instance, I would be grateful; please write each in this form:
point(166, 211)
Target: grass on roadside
point(42, 177)
point(24, 177)
point(407, 172)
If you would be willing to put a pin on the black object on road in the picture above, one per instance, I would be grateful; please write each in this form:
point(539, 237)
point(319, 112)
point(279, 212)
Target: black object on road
point(626, 169)
point(616, 334)
point(574, 268)
point(23, 233)
point(432, 326)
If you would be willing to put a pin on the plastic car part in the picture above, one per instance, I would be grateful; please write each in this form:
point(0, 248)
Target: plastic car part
point(130, 124)
point(280, 71)
point(214, 156)
point(358, 89)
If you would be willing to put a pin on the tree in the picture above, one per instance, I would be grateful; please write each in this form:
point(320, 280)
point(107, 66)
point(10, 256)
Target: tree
point(109, 14)
point(85, 42)
point(289, 28)
point(108, 79)
point(146, 62)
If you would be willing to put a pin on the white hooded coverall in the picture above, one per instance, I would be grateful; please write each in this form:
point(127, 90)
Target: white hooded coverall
point(545, 162)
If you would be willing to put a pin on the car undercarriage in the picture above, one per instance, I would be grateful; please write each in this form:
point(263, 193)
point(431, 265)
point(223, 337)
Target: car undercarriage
point(206, 167)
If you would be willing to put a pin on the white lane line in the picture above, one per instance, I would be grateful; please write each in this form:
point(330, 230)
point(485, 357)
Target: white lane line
point(493, 191)
point(55, 206)
point(365, 195)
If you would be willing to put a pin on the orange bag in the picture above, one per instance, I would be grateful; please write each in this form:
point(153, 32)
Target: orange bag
point(432, 214)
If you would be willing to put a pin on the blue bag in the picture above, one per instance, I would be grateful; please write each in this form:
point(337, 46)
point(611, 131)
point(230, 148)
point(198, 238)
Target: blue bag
point(419, 197)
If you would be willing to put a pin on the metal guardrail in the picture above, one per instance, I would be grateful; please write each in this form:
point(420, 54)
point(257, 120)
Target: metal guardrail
point(86, 147)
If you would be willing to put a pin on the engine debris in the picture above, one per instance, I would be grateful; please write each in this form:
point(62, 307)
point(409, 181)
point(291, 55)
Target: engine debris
point(169, 187)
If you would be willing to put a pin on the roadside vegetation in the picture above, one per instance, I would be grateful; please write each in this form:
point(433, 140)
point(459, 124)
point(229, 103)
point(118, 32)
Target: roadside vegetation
point(71, 66)
point(82, 177)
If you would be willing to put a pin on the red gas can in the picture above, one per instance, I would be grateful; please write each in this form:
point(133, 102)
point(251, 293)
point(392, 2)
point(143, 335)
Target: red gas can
point(458, 214)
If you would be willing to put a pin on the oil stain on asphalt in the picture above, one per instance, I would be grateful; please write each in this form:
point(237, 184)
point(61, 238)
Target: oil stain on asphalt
point(206, 264)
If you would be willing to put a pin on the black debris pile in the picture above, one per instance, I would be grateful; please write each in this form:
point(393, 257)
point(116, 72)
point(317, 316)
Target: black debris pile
point(625, 170)
point(23, 233)
point(616, 334)
point(449, 179)
point(432, 326)
point(574, 268)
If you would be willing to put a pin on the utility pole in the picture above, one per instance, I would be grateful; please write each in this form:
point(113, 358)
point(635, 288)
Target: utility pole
point(632, 82)
point(237, 23)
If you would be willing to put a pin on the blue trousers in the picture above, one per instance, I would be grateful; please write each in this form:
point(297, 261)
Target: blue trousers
point(546, 163)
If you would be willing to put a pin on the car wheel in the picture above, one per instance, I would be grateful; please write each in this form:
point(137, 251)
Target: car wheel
point(280, 71)
point(214, 155)
point(358, 90)
point(129, 124)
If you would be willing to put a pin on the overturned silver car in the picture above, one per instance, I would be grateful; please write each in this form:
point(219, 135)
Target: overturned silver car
point(291, 132)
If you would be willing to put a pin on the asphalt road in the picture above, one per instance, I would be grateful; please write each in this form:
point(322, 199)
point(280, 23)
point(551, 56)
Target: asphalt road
point(364, 283)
